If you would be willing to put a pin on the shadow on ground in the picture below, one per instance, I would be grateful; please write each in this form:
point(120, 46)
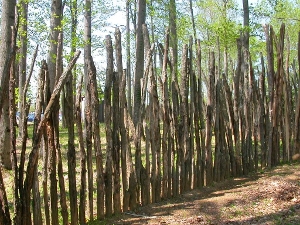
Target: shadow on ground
point(268, 198)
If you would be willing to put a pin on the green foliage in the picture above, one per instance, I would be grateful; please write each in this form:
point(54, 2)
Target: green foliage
point(218, 20)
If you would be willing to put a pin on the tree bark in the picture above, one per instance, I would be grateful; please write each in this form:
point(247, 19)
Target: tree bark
point(108, 118)
point(166, 119)
point(23, 60)
point(209, 121)
point(128, 58)
point(139, 65)
point(88, 116)
point(6, 52)
point(62, 189)
point(262, 114)
point(116, 123)
point(92, 84)
point(82, 192)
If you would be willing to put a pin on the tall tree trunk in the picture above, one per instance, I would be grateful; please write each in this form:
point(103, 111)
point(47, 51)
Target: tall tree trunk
point(128, 58)
point(271, 73)
point(138, 133)
point(173, 34)
point(43, 99)
point(69, 116)
point(116, 124)
point(88, 116)
point(190, 150)
point(184, 119)
point(246, 24)
point(277, 102)
point(217, 132)
point(124, 144)
point(262, 115)
point(209, 121)
point(155, 137)
point(6, 52)
point(296, 129)
point(108, 122)
point(193, 20)
point(246, 117)
point(12, 124)
point(287, 107)
point(82, 192)
point(139, 64)
point(237, 137)
point(23, 120)
point(201, 153)
point(93, 89)
point(146, 195)
point(54, 68)
point(23, 59)
point(166, 119)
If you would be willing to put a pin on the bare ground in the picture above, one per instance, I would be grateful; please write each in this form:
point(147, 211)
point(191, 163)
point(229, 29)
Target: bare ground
point(270, 197)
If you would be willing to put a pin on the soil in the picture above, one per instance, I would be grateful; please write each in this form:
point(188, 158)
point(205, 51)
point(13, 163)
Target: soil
point(270, 197)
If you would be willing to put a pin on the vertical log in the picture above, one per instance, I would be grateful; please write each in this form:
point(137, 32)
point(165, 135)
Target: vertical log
point(96, 136)
point(128, 57)
point(166, 119)
point(116, 122)
point(197, 123)
point(217, 132)
point(132, 193)
point(287, 106)
point(271, 73)
point(297, 113)
point(139, 168)
point(191, 130)
point(224, 151)
point(69, 117)
point(246, 115)
point(155, 138)
point(277, 97)
point(175, 128)
point(12, 125)
point(183, 136)
point(61, 179)
point(52, 172)
point(209, 120)
point(124, 143)
point(87, 113)
point(82, 191)
point(237, 141)
point(252, 107)
point(107, 106)
point(262, 114)
point(44, 98)
point(55, 121)
point(146, 191)
point(201, 153)
point(36, 204)
point(255, 124)
point(230, 124)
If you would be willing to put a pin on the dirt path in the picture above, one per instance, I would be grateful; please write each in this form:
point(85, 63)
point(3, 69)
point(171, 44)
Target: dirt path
point(272, 197)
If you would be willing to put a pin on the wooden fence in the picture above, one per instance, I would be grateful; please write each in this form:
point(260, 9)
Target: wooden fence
point(193, 128)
